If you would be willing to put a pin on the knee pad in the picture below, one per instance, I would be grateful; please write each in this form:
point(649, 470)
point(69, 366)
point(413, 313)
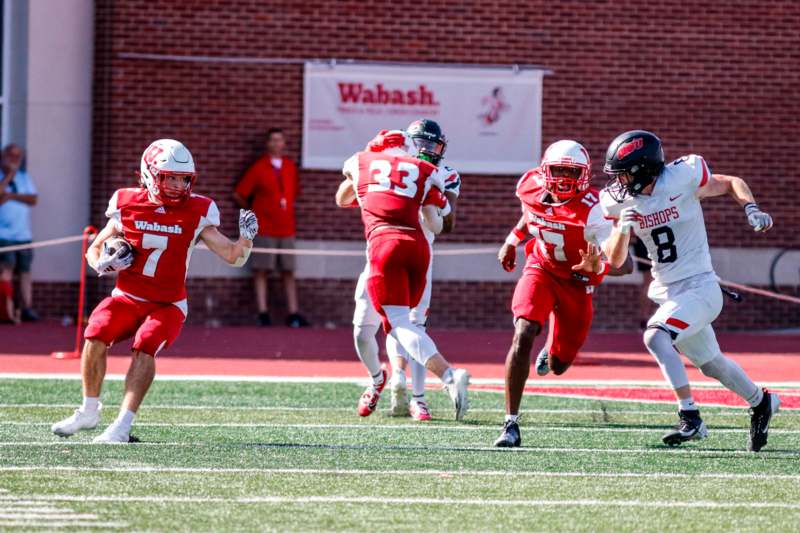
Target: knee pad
point(716, 368)
point(365, 333)
point(658, 340)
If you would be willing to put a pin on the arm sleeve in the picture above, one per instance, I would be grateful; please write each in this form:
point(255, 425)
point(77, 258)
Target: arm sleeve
point(113, 211)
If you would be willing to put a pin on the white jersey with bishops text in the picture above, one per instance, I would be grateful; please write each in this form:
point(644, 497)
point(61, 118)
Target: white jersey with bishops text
point(671, 225)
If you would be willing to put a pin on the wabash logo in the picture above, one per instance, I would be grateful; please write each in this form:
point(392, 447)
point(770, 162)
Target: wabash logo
point(628, 148)
point(356, 93)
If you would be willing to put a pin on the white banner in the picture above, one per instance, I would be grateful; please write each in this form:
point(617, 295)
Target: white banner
point(492, 117)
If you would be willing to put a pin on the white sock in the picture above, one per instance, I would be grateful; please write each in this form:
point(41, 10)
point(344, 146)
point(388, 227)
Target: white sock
point(418, 374)
point(418, 399)
point(729, 373)
point(90, 404)
point(399, 376)
point(687, 404)
point(367, 347)
point(125, 419)
point(377, 379)
point(447, 377)
point(512, 418)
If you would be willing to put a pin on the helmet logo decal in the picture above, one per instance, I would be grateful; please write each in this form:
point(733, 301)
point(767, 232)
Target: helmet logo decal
point(152, 153)
point(629, 147)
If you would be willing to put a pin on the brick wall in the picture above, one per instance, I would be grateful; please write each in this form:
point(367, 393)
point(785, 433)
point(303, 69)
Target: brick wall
point(720, 81)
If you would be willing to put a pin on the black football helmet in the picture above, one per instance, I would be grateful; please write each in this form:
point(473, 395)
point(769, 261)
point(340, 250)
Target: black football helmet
point(633, 161)
point(429, 140)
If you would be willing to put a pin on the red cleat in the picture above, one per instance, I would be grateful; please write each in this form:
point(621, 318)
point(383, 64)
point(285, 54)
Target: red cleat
point(369, 399)
point(419, 411)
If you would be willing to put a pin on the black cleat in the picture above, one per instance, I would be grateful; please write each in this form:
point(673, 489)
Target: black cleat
point(296, 320)
point(760, 417)
point(689, 427)
point(510, 438)
point(264, 319)
point(543, 363)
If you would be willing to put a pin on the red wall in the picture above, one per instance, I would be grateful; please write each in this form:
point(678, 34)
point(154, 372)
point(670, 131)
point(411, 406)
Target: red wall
point(719, 81)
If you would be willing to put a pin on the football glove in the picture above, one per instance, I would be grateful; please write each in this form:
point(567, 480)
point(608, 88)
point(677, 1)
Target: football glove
point(248, 224)
point(628, 218)
point(119, 260)
point(759, 220)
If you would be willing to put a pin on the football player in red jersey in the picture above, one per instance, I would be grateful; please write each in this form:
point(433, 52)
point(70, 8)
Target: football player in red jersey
point(162, 221)
point(564, 263)
point(391, 185)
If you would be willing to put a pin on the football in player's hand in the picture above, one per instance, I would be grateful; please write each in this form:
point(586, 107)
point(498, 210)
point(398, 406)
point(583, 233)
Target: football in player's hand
point(117, 246)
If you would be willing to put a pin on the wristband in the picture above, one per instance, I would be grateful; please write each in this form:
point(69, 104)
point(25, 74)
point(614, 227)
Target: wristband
point(750, 207)
point(515, 237)
point(605, 267)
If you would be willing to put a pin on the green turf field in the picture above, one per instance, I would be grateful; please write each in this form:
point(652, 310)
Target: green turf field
point(259, 457)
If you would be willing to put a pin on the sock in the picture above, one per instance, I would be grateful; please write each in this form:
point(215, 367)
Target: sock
point(659, 344)
point(399, 376)
point(512, 418)
point(90, 404)
point(447, 377)
point(687, 404)
point(125, 419)
point(730, 374)
point(367, 347)
point(377, 379)
point(418, 398)
point(418, 374)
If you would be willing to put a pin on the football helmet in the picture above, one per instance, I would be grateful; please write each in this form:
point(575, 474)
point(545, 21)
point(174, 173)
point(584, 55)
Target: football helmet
point(166, 158)
point(566, 168)
point(633, 161)
point(388, 139)
point(428, 139)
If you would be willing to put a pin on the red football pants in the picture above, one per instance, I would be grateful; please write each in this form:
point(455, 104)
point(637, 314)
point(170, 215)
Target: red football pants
point(155, 325)
point(398, 266)
point(540, 295)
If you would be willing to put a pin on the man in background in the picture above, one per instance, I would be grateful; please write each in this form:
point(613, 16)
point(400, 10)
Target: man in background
point(17, 196)
point(269, 187)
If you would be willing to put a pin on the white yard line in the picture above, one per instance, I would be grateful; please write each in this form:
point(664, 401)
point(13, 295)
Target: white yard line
point(304, 500)
point(36, 515)
point(412, 473)
point(377, 447)
point(732, 411)
point(27, 524)
point(395, 427)
point(360, 380)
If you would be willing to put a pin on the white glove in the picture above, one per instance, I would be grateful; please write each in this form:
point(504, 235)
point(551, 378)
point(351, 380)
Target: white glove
point(628, 218)
point(108, 264)
point(248, 224)
point(760, 220)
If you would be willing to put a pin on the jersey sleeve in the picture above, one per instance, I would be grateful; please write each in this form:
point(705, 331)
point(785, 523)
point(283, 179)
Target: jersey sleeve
point(694, 171)
point(452, 180)
point(598, 227)
point(113, 211)
point(610, 208)
point(211, 218)
point(350, 168)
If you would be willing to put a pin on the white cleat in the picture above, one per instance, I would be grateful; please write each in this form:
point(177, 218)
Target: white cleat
point(113, 434)
point(399, 406)
point(79, 420)
point(458, 392)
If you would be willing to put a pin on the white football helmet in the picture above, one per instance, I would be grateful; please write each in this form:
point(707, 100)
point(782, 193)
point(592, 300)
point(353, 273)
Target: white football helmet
point(574, 168)
point(167, 158)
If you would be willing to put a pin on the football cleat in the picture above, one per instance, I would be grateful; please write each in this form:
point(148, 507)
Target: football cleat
point(689, 427)
point(369, 399)
point(510, 437)
point(760, 417)
point(458, 392)
point(543, 363)
point(114, 434)
point(79, 420)
point(399, 404)
point(418, 409)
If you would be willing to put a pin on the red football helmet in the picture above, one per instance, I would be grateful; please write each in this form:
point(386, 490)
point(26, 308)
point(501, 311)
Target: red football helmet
point(164, 159)
point(566, 168)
